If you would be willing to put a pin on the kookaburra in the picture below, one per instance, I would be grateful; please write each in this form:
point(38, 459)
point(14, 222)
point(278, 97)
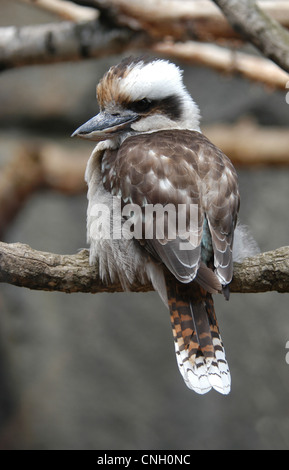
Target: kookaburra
point(150, 152)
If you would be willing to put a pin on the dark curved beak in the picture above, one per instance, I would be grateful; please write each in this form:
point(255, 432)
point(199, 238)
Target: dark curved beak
point(101, 126)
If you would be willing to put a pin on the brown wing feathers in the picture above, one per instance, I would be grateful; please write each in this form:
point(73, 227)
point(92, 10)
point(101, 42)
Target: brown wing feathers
point(183, 167)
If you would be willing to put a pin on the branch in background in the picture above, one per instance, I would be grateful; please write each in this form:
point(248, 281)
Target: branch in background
point(69, 41)
point(246, 143)
point(227, 61)
point(18, 179)
point(65, 9)
point(200, 19)
point(42, 166)
point(64, 41)
point(22, 266)
point(248, 19)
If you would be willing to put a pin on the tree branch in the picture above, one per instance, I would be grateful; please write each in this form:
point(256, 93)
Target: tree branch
point(200, 20)
point(135, 25)
point(248, 144)
point(65, 9)
point(65, 41)
point(248, 19)
point(22, 266)
point(225, 60)
point(39, 166)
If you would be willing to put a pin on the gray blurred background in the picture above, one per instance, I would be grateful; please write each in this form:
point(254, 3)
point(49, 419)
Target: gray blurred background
point(95, 372)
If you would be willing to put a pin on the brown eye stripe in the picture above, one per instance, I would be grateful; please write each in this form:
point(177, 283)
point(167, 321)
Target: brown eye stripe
point(170, 107)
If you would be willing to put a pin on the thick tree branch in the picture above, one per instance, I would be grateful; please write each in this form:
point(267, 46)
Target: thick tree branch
point(22, 266)
point(248, 19)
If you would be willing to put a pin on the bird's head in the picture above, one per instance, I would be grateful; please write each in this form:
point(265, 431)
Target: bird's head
point(137, 96)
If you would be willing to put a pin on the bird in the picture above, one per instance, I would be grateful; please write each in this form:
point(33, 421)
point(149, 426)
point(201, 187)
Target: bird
point(151, 153)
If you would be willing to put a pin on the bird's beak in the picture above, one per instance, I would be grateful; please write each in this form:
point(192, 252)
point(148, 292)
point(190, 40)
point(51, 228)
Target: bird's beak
point(101, 126)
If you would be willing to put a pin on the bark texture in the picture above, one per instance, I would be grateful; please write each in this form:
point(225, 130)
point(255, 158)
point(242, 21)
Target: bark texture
point(22, 266)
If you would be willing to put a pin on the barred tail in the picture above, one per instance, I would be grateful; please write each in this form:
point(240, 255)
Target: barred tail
point(198, 344)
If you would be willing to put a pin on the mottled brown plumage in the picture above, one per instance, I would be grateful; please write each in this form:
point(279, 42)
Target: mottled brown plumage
point(151, 153)
point(179, 167)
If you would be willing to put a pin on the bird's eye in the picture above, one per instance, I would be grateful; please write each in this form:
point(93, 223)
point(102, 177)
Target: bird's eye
point(141, 106)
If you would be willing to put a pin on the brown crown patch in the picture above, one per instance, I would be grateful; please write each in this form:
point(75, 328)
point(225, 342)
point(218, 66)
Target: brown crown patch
point(108, 89)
